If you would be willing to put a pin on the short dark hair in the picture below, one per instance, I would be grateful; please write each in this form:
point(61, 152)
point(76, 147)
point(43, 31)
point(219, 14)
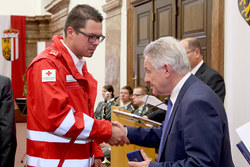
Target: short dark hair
point(145, 89)
point(193, 44)
point(130, 90)
point(110, 89)
point(79, 15)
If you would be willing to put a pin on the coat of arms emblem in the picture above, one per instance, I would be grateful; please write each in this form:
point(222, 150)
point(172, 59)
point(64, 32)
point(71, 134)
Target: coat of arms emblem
point(244, 7)
point(10, 44)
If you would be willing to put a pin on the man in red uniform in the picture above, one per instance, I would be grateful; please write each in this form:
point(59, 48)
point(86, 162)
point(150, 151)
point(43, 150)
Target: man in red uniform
point(61, 129)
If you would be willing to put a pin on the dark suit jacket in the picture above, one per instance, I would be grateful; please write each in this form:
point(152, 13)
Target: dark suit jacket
point(7, 124)
point(197, 132)
point(129, 107)
point(98, 110)
point(213, 79)
point(158, 115)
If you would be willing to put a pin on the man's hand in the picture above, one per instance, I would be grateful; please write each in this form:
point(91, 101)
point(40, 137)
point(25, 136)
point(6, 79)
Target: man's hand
point(144, 163)
point(98, 162)
point(118, 135)
point(104, 145)
point(115, 123)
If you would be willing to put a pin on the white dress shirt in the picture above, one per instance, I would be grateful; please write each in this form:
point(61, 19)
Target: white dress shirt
point(196, 68)
point(177, 89)
point(78, 62)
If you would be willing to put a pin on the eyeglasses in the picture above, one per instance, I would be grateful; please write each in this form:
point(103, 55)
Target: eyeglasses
point(190, 51)
point(136, 95)
point(92, 38)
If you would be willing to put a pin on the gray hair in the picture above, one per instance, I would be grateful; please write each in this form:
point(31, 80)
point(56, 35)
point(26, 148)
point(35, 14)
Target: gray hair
point(168, 50)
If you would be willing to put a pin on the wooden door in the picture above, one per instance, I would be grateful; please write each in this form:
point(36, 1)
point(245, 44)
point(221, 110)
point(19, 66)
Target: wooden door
point(178, 18)
point(165, 15)
point(194, 20)
point(152, 20)
point(143, 35)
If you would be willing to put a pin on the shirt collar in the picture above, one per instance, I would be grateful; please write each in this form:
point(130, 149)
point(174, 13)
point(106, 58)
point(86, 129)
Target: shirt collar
point(125, 105)
point(143, 107)
point(78, 62)
point(196, 68)
point(178, 87)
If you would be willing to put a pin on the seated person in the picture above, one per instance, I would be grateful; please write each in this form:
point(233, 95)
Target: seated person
point(126, 97)
point(157, 115)
point(103, 109)
point(138, 93)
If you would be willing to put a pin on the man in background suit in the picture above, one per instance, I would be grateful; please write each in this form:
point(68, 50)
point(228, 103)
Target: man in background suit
point(126, 94)
point(141, 107)
point(201, 70)
point(7, 124)
point(195, 130)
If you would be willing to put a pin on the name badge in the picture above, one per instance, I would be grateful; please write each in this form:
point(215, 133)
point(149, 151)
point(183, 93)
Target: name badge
point(70, 78)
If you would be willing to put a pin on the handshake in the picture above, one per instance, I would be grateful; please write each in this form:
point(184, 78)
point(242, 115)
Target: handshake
point(118, 136)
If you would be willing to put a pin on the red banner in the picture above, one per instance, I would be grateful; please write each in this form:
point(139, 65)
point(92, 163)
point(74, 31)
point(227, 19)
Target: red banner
point(18, 66)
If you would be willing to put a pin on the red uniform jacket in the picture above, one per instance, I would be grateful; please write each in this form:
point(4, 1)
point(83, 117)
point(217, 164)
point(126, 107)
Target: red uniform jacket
point(61, 128)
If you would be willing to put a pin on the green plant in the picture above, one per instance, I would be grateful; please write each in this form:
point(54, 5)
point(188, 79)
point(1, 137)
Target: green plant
point(25, 85)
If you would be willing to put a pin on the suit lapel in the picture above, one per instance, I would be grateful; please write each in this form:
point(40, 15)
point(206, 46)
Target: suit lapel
point(201, 70)
point(183, 90)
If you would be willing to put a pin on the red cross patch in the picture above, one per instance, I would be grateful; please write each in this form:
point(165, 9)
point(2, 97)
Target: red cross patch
point(49, 75)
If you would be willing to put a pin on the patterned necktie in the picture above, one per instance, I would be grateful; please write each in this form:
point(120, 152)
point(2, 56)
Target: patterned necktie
point(164, 127)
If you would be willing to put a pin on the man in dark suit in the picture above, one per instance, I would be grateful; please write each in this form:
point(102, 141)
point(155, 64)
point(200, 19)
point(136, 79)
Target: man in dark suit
point(195, 130)
point(201, 70)
point(7, 124)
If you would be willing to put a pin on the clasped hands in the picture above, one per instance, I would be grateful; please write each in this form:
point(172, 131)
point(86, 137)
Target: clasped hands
point(118, 136)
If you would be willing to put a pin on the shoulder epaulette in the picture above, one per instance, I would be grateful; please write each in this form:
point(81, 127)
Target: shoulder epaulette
point(54, 52)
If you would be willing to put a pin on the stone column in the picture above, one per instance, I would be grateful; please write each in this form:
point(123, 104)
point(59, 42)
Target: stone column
point(59, 10)
point(113, 41)
point(37, 29)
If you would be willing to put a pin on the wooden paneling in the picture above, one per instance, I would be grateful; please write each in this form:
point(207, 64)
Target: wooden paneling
point(130, 44)
point(143, 28)
point(217, 36)
point(165, 18)
point(194, 18)
point(141, 71)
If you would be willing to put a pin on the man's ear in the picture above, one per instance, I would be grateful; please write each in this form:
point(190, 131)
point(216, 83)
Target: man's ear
point(197, 52)
point(70, 32)
point(168, 70)
point(130, 97)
